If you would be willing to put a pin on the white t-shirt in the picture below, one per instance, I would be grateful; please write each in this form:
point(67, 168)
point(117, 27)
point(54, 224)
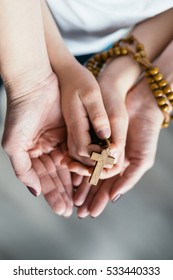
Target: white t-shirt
point(92, 25)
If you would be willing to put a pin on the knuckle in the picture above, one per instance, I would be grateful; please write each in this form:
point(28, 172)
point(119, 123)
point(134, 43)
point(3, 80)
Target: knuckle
point(98, 116)
point(150, 164)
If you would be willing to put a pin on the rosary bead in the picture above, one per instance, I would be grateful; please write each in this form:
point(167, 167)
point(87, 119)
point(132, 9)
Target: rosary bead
point(104, 56)
point(137, 56)
point(117, 51)
point(163, 83)
point(171, 101)
point(110, 52)
point(147, 73)
point(90, 68)
point(90, 64)
point(150, 80)
point(167, 89)
point(154, 86)
point(165, 108)
point(170, 96)
point(154, 70)
point(161, 101)
point(142, 53)
point(124, 50)
point(97, 57)
point(91, 60)
point(140, 47)
point(165, 124)
point(158, 77)
point(158, 93)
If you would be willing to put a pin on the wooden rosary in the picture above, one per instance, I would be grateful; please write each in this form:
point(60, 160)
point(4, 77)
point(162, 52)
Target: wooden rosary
point(158, 84)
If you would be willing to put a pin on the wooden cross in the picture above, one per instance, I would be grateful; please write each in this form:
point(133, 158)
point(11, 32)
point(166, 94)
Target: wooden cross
point(102, 159)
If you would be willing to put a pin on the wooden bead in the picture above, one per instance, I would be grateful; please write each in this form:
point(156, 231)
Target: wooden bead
point(137, 56)
point(124, 50)
point(90, 64)
point(90, 68)
point(147, 73)
point(140, 47)
point(167, 89)
point(142, 53)
point(97, 57)
point(165, 124)
point(117, 51)
point(163, 83)
point(165, 108)
point(104, 56)
point(158, 77)
point(161, 101)
point(110, 52)
point(158, 93)
point(91, 60)
point(154, 70)
point(171, 101)
point(154, 86)
point(150, 80)
point(170, 96)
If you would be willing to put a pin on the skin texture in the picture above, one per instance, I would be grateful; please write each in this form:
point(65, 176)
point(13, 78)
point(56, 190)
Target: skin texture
point(36, 121)
point(36, 137)
point(145, 118)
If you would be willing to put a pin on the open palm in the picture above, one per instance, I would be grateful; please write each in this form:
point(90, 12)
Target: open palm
point(35, 140)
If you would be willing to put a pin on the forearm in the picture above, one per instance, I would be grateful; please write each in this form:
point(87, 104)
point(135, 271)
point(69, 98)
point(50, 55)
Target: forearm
point(22, 46)
point(155, 33)
point(151, 33)
point(164, 62)
point(59, 55)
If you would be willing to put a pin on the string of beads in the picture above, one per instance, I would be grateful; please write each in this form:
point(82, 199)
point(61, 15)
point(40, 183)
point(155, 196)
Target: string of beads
point(158, 84)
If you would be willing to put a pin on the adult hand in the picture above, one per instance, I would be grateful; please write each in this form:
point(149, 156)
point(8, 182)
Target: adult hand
point(145, 119)
point(35, 140)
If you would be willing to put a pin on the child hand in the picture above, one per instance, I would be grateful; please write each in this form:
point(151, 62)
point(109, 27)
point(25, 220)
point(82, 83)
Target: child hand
point(82, 104)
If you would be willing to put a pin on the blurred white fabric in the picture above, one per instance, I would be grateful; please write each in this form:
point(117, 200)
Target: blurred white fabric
point(138, 226)
point(91, 26)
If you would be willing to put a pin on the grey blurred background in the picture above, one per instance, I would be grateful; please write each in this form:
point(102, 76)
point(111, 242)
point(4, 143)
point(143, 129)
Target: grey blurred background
point(138, 226)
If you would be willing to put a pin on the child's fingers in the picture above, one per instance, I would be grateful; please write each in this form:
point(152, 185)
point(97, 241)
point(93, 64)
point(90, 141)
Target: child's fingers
point(92, 100)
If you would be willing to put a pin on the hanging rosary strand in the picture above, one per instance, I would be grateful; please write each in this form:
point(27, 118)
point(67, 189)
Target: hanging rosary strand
point(158, 84)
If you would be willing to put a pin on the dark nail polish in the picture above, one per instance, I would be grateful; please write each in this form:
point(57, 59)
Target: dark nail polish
point(117, 197)
point(32, 191)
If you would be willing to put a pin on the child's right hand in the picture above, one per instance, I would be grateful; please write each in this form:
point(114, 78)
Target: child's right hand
point(82, 103)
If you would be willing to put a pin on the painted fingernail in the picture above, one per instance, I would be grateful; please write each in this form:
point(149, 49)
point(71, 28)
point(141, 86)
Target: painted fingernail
point(103, 133)
point(117, 197)
point(32, 191)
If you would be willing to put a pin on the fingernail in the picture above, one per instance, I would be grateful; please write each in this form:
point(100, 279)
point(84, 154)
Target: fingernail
point(117, 197)
point(32, 191)
point(103, 133)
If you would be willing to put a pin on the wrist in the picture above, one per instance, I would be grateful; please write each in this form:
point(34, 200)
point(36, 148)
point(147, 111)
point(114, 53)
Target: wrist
point(27, 82)
point(124, 71)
